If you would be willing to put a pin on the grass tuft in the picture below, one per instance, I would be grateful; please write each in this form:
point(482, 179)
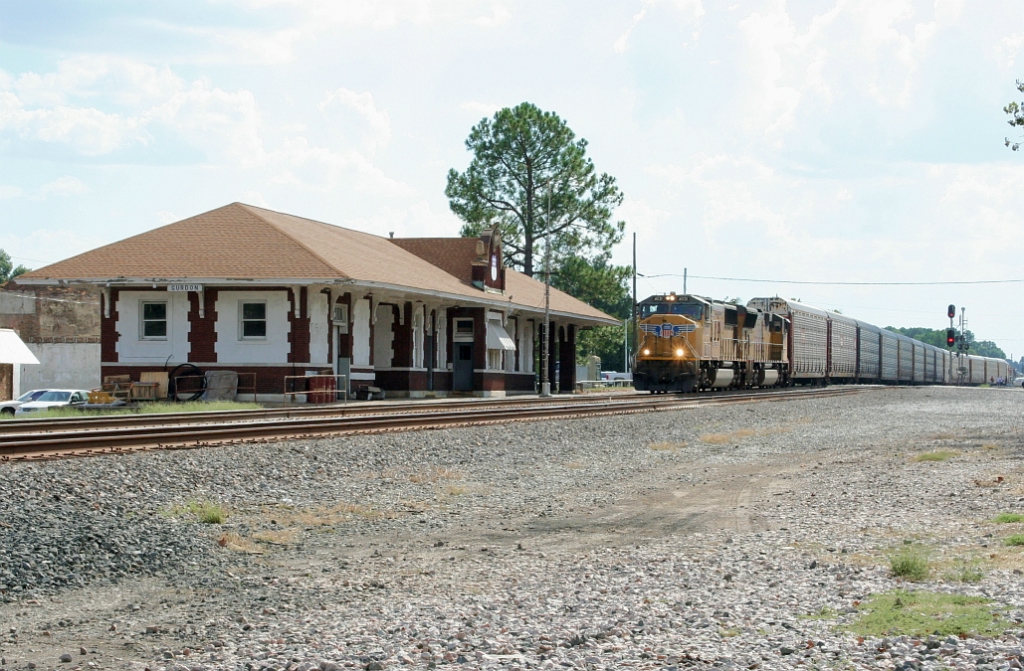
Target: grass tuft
point(208, 512)
point(910, 563)
point(1009, 518)
point(921, 613)
point(1015, 540)
point(940, 455)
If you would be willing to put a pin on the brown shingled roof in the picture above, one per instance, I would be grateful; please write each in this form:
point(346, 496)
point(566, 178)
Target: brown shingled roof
point(240, 241)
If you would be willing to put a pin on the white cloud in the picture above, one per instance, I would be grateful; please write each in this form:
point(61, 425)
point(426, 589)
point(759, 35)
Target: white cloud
point(377, 123)
point(499, 15)
point(64, 186)
point(416, 220)
point(378, 14)
point(871, 50)
point(167, 217)
point(7, 191)
point(480, 108)
point(692, 10)
point(249, 47)
point(221, 123)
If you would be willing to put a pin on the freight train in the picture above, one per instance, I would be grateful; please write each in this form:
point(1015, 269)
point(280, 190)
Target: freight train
point(690, 343)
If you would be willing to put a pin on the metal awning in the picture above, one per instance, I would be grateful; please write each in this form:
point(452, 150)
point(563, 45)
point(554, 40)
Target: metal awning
point(498, 338)
point(12, 350)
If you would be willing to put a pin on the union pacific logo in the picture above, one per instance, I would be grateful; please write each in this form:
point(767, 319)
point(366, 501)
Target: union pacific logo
point(667, 330)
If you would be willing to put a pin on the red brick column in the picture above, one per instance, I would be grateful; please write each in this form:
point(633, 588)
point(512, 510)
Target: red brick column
point(202, 334)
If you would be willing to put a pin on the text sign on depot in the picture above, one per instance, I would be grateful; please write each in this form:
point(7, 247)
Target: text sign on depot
point(184, 287)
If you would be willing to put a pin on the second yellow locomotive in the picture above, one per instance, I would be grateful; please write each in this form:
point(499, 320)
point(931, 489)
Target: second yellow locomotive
point(691, 342)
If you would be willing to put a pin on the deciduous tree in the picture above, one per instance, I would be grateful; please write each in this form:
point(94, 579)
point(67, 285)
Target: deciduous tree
point(8, 270)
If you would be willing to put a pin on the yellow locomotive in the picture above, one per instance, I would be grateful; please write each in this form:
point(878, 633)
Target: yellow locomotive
point(691, 342)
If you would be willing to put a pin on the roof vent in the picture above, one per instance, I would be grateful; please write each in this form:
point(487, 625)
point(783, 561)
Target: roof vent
point(391, 234)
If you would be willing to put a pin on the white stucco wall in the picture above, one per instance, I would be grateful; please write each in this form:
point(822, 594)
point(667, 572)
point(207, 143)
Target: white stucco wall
point(319, 326)
point(361, 332)
point(273, 349)
point(131, 348)
point(383, 337)
point(62, 366)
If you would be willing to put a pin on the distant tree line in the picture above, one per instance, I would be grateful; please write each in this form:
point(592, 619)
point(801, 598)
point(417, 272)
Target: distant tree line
point(937, 337)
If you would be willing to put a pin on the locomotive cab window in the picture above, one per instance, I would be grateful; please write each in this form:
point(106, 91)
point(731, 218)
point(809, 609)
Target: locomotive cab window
point(648, 309)
point(730, 317)
point(691, 310)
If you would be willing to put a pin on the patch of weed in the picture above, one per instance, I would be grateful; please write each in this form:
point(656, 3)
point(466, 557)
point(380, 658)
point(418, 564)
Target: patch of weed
point(910, 563)
point(940, 455)
point(1009, 518)
point(823, 613)
point(208, 512)
point(233, 541)
point(1015, 540)
point(277, 537)
point(922, 613)
point(965, 573)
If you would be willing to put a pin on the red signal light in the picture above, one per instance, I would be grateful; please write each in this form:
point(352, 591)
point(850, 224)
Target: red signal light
point(951, 311)
point(950, 336)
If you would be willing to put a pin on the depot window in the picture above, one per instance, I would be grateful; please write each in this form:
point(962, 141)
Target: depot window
point(154, 320)
point(253, 320)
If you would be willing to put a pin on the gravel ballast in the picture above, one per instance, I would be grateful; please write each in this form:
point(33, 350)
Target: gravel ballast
point(747, 536)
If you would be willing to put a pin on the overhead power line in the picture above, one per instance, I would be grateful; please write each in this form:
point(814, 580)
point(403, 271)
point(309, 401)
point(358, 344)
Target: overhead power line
point(855, 284)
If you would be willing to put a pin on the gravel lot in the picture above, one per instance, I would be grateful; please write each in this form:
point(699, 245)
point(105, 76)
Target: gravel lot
point(731, 537)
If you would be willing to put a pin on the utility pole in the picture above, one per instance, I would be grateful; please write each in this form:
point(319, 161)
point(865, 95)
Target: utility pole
point(545, 382)
point(684, 281)
point(634, 293)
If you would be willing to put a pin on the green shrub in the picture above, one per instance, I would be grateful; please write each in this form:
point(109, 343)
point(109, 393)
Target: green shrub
point(1015, 540)
point(1009, 518)
point(910, 563)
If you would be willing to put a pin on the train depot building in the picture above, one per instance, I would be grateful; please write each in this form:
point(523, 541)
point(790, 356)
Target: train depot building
point(253, 291)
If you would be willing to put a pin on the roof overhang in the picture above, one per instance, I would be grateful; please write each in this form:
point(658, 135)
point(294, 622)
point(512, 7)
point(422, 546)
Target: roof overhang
point(484, 299)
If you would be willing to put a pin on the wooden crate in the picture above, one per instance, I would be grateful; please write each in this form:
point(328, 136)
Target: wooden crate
point(145, 391)
point(160, 377)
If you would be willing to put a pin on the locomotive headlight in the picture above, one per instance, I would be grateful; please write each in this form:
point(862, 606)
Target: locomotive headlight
point(679, 352)
point(646, 352)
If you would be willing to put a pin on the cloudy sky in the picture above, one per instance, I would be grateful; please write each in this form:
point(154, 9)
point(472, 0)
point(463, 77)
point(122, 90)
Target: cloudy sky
point(812, 140)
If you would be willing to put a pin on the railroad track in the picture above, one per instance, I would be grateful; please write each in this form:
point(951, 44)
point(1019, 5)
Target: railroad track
point(24, 440)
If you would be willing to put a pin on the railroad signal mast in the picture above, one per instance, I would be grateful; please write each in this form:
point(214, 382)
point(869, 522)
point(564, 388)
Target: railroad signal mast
point(953, 338)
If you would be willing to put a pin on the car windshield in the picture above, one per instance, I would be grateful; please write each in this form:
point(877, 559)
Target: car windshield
point(31, 395)
point(55, 396)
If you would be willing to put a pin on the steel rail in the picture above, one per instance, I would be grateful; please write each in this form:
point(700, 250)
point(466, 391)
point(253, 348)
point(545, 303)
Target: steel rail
point(93, 421)
point(127, 438)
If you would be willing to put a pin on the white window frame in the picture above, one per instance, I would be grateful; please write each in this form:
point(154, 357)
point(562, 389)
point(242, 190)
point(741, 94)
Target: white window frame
point(241, 320)
point(166, 320)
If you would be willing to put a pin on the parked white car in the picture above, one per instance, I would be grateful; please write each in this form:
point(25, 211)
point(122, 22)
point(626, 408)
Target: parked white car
point(7, 408)
point(54, 398)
